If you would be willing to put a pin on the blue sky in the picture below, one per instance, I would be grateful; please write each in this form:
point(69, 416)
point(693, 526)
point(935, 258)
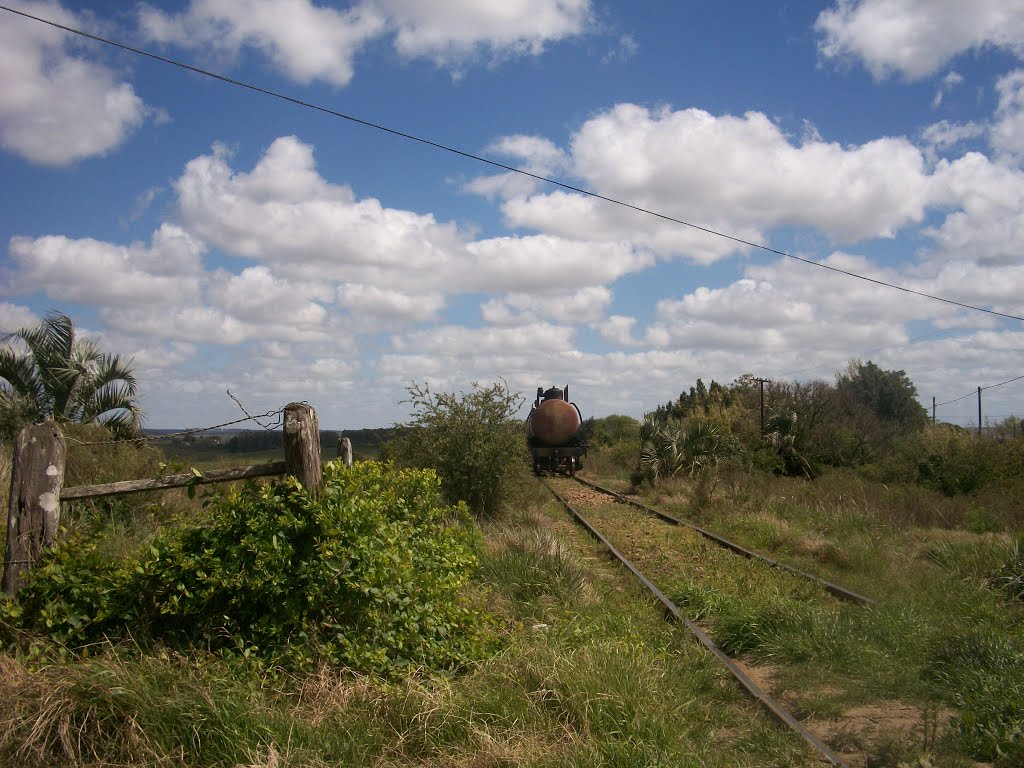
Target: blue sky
point(228, 240)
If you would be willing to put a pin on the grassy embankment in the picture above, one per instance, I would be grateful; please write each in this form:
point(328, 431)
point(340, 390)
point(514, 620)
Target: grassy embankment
point(941, 654)
point(587, 672)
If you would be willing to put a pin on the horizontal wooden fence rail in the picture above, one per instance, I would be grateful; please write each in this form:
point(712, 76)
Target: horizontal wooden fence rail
point(173, 481)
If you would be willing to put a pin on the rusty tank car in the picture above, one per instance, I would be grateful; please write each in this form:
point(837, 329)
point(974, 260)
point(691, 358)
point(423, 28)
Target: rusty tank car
point(554, 432)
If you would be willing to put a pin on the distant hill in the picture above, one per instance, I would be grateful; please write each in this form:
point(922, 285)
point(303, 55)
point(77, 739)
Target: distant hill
point(366, 443)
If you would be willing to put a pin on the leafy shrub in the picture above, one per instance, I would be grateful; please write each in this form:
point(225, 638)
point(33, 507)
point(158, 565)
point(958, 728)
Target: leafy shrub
point(615, 461)
point(1008, 461)
point(782, 435)
point(954, 461)
point(951, 460)
point(474, 441)
point(367, 576)
point(610, 431)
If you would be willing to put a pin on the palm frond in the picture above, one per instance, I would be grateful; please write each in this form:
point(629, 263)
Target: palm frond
point(671, 447)
point(112, 396)
point(111, 368)
point(18, 370)
point(49, 342)
point(124, 424)
point(49, 372)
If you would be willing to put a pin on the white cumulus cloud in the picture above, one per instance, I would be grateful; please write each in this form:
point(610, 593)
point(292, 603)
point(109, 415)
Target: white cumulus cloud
point(13, 317)
point(586, 305)
point(917, 37)
point(371, 300)
point(1007, 133)
point(284, 214)
point(740, 175)
point(449, 31)
point(310, 41)
point(944, 134)
point(305, 40)
point(549, 264)
point(987, 225)
point(57, 108)
point(94, 272)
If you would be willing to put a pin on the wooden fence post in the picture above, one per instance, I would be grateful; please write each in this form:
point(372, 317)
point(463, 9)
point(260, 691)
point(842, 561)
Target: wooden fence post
point(345, 451)
point(302, 446)
point(33, 514)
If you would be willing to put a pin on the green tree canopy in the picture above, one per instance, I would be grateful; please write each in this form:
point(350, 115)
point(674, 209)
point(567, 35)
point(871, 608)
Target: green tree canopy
point(890, 395)
point(610, 430)
point(48, 372)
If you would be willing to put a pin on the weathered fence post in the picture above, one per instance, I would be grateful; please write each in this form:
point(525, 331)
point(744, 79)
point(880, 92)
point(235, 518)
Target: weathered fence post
point(345, 451)
point(302, 445)
point(33, 514)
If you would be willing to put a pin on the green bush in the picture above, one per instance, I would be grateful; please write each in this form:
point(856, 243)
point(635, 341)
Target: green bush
point(474, 441)
point(368, 575)
point(610, 431)
point(952, 460)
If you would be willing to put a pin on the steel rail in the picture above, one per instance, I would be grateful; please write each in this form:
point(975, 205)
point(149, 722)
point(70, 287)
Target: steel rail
point(765, 699)
point(840, 592)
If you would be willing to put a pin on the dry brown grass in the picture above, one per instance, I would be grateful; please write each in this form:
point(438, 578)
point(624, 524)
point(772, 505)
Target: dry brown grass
point(328, 691)
point(48, 720)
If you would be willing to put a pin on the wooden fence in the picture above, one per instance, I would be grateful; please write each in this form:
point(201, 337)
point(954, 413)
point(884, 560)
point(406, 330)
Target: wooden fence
point(37, 479)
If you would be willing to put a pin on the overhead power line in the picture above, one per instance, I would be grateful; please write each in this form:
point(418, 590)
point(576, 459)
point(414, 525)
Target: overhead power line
point(980, 389)
point(1008, 381)
point(956, 399)
point(496, 164)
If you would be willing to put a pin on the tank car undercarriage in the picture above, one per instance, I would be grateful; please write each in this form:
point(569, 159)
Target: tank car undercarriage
point(563, 460)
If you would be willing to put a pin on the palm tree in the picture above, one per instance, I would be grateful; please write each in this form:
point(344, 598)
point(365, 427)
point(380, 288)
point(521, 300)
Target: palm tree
point(46, 372)
point(671, 447)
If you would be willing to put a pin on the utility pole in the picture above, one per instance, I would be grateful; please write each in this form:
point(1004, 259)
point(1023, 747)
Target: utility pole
point(933, 410)
point(762, 382)
point(979, 411)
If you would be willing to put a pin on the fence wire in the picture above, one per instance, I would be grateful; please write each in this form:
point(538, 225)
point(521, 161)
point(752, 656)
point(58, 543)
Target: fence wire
point(277, 416)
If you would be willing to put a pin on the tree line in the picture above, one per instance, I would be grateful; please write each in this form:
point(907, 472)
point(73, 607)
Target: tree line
point(869, 419)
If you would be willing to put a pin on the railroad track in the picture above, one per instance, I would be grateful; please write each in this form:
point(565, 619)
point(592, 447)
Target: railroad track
point(762, 696)
point(835, 589)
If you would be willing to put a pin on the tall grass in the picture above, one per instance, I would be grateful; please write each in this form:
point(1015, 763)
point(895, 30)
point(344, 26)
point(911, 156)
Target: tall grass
point(529, 564)
point(946, 572)
point(162, 710)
